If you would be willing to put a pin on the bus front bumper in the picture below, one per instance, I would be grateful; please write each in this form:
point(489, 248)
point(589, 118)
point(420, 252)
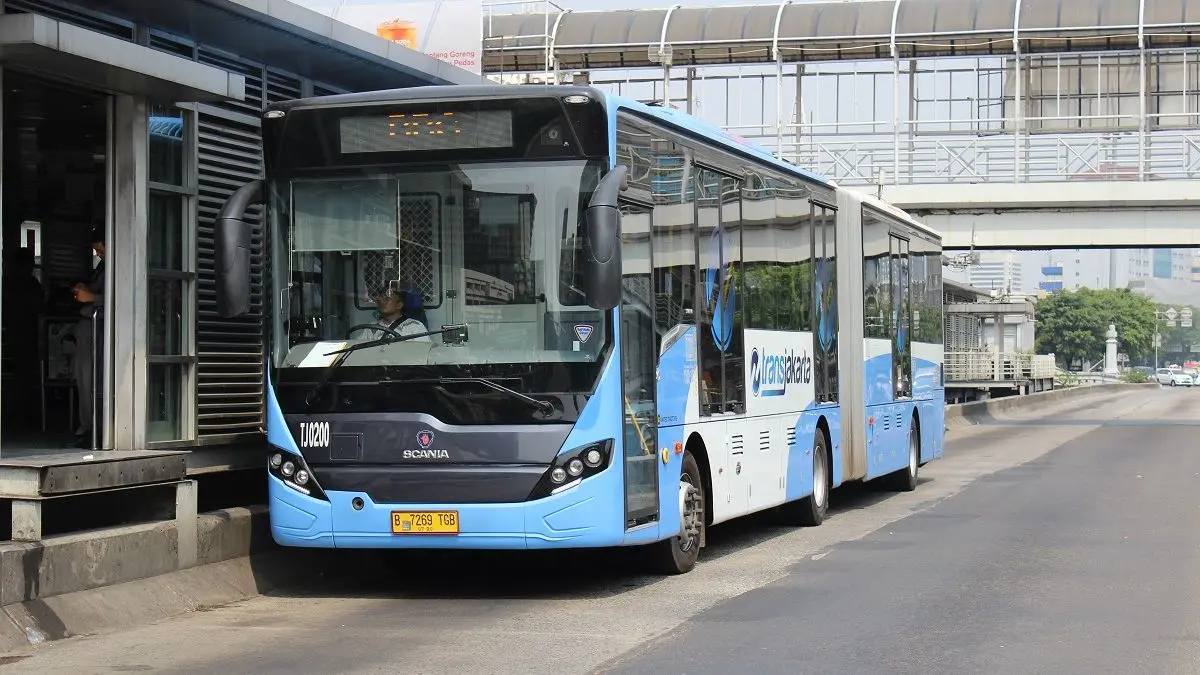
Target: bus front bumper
point(589, 515)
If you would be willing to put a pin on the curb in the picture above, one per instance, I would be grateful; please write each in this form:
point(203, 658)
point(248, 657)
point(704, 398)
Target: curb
point(89, 582)
point(133, 603)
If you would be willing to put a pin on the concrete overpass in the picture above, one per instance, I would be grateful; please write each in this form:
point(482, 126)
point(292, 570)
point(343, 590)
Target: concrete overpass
point(1117, 214)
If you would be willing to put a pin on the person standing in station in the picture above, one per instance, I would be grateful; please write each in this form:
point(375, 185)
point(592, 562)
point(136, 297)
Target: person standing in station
point(91, 296)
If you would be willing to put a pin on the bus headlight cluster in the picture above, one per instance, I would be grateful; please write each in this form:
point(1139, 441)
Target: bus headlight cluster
point(576, 465)
point(293, 472)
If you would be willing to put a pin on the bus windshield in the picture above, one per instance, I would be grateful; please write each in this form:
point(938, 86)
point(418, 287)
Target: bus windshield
point(381, 256)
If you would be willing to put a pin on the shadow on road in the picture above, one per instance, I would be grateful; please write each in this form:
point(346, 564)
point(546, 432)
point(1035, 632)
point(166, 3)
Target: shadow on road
point(508, 575)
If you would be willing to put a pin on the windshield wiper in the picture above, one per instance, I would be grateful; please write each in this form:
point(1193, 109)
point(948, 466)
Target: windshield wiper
point(458, 335)
point(544, 406)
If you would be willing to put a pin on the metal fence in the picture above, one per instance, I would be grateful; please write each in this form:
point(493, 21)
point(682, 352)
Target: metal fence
point(940, 158)
point(988, 366)
point(1097, 115)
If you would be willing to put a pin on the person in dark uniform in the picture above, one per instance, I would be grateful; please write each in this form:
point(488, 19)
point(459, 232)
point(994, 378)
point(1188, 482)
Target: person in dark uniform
point(91, 295)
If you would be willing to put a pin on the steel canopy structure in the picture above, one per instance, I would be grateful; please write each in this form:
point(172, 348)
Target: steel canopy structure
point(955, 109)
point(828, 31)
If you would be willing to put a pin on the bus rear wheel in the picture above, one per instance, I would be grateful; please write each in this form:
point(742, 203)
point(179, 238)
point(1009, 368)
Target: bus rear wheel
point(678, 554)
point(905, 480)
point(811, 510)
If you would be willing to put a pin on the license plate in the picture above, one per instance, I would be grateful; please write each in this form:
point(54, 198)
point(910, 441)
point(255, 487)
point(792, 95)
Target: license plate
point(424, 522)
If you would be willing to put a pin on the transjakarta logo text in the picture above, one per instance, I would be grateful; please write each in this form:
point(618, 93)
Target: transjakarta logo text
point(770, 374)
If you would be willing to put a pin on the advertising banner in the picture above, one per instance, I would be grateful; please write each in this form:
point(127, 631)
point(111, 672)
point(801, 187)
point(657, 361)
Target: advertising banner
point(450, 30)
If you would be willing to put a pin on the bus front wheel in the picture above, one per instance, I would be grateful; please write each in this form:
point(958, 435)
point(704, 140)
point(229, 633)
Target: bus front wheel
point(678, 554)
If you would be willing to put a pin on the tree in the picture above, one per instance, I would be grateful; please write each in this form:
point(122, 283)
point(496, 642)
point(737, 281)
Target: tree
point(1072, 324)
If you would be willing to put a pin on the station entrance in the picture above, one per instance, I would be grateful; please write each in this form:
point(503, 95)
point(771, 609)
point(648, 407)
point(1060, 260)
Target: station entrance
point(55, 212)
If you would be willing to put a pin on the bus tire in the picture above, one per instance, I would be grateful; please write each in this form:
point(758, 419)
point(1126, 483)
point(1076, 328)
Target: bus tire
point(905, 480)
point(678, 554)
point(811, 510)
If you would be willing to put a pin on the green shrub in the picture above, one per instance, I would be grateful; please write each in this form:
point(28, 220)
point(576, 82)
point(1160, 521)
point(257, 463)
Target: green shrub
point(1135, 376)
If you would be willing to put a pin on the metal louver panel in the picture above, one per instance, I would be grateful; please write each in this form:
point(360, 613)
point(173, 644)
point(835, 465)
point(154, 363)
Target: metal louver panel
point(164, 42)
point(230, 384)
point(282, 86)
point(326, 90)
point(253, 104)
point(97, 21)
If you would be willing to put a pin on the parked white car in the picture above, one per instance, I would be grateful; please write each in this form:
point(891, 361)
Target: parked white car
point(1173, 378)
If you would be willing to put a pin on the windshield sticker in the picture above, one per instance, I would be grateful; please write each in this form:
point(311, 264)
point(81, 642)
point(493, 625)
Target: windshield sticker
point(583, 331)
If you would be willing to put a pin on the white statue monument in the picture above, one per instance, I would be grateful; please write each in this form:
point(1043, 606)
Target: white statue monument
point(1110, 351)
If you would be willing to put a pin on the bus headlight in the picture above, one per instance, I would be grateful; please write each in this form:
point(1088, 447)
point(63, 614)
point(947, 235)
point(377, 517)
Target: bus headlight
point(294, 472)
point(573, 466)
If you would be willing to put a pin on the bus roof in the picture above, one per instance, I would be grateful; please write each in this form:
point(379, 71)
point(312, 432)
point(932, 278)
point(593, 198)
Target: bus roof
point(897, 212)
point(678, 119)
point(675, 118)
point(430, 93)
point(695, 126)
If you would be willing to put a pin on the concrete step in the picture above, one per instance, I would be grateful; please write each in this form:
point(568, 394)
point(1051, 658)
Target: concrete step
point(156, 482)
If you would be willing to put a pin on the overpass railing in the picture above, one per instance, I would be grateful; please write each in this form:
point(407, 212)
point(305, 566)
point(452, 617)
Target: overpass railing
point(940, 157)
point(989, 366)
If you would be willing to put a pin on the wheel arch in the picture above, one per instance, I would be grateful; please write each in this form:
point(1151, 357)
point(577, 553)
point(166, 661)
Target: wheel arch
point(823, 429)
point(695, 446)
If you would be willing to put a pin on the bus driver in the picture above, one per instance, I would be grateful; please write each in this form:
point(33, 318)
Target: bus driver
point(401, 311)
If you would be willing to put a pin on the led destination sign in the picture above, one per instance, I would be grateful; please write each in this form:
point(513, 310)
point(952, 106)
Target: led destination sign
point(424, 131)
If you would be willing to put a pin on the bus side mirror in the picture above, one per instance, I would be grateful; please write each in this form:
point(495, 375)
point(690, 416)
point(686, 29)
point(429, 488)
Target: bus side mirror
point(602, 242)
point(232, 254)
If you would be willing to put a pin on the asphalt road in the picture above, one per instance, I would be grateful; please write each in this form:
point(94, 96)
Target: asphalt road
point(1065, 541)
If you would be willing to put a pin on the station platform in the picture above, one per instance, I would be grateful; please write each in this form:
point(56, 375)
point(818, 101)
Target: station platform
point(34, 484)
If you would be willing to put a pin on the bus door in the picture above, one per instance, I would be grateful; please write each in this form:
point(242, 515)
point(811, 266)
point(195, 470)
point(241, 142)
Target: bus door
point(639, 367)
point(901, 320)
point(825, 303)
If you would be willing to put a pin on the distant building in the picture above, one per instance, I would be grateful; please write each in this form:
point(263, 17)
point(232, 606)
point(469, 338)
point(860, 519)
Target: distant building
point(998, 271)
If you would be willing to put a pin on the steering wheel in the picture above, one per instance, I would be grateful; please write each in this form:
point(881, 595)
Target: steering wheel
point(373, 326)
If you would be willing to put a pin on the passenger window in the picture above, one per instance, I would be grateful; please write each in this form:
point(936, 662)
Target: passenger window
point(718, 210)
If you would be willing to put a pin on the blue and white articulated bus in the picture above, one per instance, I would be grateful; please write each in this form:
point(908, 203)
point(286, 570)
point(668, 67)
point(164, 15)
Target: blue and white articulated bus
point(548, 317)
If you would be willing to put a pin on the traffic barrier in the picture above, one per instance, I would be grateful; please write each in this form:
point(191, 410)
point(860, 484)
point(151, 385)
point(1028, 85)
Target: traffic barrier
point(1031, 401)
